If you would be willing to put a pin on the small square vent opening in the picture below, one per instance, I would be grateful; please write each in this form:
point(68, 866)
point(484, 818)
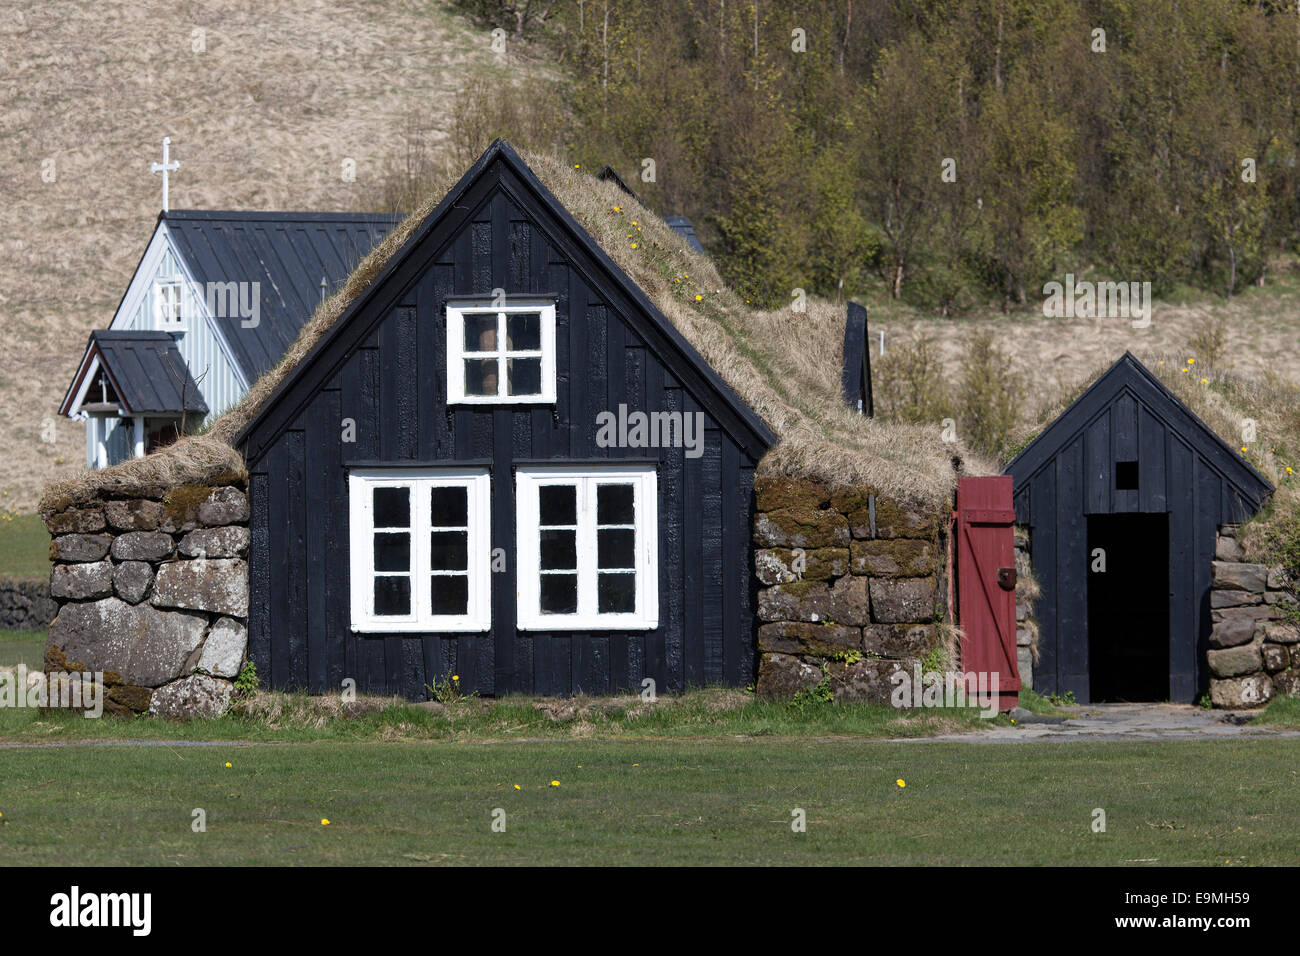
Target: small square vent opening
point(1126, 476)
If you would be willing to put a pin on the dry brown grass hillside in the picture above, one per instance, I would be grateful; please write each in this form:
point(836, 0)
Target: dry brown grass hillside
point(262, 119)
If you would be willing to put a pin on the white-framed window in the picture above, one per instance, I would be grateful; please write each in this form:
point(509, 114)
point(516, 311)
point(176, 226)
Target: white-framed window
point(169, 305)
point(420, 549)
point(501, 354)
point(587, 552)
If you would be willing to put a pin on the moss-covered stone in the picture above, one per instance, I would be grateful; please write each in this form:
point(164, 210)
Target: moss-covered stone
point(131, 696)
point(900, 641)
point(844, 602)
point(902, 600)
point(896, 520)
point(848, 500)
point(779, 565)
point(801, 528)
point(781, 676)
point(774, 493)
point(76, 521)
point(893, 557)
point(813, 640)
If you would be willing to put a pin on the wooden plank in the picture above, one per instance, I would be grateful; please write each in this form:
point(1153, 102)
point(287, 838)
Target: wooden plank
point(735, 562)
point(1099, 477)
point(260, 576)
point(1183, 612)
point(1073, 570)
point(692, 545)
point(1187, 676)
point(581, 432)
point(1151, 462)
point(711, 590)
point(747, 585)
point(503, 636)
point(321, 444)
point(599, 329)
point(665, 660)
point(1124, 447)
point(295, 559)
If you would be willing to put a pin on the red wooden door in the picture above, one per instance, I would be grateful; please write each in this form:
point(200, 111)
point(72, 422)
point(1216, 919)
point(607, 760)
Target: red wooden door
point(986, 582)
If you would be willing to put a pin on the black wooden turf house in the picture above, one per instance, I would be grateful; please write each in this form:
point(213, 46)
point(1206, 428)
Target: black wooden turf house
point(431, 496)
point(1128, 479)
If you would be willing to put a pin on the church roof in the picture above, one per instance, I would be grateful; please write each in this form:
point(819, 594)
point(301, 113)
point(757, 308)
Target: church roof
point(287, 254)
point(146, 371)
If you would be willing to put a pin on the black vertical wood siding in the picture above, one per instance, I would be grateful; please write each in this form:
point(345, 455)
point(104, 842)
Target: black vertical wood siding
point(392, 387)
point(1068, 473)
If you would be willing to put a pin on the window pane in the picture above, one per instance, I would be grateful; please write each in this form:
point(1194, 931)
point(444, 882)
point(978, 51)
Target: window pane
point(614, 504)
point(392, 508)
point(559, 550)
point(393, 595)
point(449, 508)
point(392, 551)
point(448, 551)
point(524, 376)
point(615, 548)
point(450, 594)
point(559, 593)
point(480, 333)
point(480, 376)
point(557, 504)
point(616, 593)
point(524, 332)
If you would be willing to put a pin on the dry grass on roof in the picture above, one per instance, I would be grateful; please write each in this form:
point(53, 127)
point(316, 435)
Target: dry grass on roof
point(1226, 401)
point(784, 365)
point(194, 460)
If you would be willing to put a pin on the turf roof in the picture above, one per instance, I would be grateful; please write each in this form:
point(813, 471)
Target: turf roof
point(784, 365)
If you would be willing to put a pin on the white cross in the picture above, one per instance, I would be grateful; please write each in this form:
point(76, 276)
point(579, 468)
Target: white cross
point(165, 167)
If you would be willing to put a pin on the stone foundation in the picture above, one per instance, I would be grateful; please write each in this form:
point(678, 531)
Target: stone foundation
point(851, 588)
point(1255, 642)
point(153, 593)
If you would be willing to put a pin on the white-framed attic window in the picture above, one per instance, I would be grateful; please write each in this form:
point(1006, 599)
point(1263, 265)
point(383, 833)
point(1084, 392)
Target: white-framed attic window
point(420, 550)
point(587, 548)
point(501, 354)
point(169, 304)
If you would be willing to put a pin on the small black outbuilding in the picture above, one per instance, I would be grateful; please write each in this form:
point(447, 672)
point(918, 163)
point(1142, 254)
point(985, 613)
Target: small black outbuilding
point(1123, 495)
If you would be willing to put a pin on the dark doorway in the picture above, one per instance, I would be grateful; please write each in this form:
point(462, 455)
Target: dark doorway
point(1128, 607)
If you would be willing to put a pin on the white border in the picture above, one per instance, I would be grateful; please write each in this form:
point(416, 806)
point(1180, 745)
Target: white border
point(456, 353)
point(478, 483)
point(527, 556)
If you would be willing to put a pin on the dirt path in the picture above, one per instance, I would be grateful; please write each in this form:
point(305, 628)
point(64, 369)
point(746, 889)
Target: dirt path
point(1098, 722)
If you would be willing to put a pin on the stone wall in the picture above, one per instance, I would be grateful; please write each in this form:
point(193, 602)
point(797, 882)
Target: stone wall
point(25, 605)
point(1026, 623)
point(154, 593)
point(851, 587)
point(1255, 642)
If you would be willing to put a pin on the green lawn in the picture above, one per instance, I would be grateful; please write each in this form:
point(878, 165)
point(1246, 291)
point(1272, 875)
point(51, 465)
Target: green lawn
point(24, 547)
point(22, 647)
point(654, 801)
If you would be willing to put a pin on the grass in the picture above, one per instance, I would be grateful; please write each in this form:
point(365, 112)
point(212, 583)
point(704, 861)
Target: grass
point(1281, 712)
point(298, 718)
point(24, 548)
point(654, 802)
point(22, 647)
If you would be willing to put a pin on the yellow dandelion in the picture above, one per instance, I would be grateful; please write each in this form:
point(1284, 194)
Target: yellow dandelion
point(455, 677)
point(1288, 470)
point(555, 783)
point(577, 165)
point(1243, 449)
point(1205, 381)
point(634, 245)
point(324, 821)
point(227, 763)
point(1191, 361)
point(634, 222)
point(901, 782)
point(517, 787)
point(636, 765)
point(699, 298)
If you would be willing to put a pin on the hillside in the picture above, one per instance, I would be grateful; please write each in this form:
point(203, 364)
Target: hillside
point(262, 118)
